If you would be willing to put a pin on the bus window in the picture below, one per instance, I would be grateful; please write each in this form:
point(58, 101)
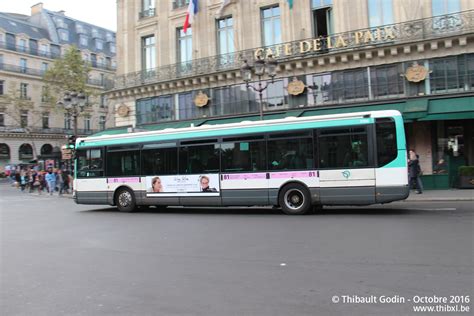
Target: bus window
point(343, 148)
point(160, 161)
point(199, 159)
point(243, 156)
point(89, 163)
point(123, 163)
point(386, 141)
point(290, 154)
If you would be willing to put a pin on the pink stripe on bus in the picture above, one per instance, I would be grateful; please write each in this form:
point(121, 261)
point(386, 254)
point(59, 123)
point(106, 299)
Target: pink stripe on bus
point(244, 176)
point(123, 180)
point(293, 174)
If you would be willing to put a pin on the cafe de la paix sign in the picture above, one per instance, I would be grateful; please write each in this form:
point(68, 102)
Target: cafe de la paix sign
point(345, 40)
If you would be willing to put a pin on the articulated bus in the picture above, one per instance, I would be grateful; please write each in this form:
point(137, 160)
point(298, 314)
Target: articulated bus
point(296, 163)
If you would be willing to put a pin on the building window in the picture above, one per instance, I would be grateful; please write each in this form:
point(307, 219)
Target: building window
point(445, 76)
point(25, 152)
point(380, 12)
point(44, 50)
point(180, 3)
point(44, 68)
point(22, 45)
point(23, 65)
point(441, 7)
point(99, 44)
point(45, 94)
point(112, 48)
point(24, 91)
point(185, 45)
point(1, 61)
point(87, 123)
point(67, 121)
point(83, 40)
point(2, 119)
point(2, 87)
point(155, 109)
point(271, 25)
point(148, 8)
point(386, 81)
point(103, 100)
point(149, 52)
point(4, 151)
point(64, 35)
point(322, 17)
point(102, 123)
point(24, 118)
point(46, 149)
point(225, 36)
point(45, 120)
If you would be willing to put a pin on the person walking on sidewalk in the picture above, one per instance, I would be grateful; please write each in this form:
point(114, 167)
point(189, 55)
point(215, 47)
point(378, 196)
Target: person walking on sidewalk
point(51, 181)
point(414, 172)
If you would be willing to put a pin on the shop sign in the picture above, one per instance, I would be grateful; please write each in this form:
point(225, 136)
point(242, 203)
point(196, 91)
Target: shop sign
point(296, 87)
point(416, 73)
point(201, 99)
point(348, 40)
point(123, 110)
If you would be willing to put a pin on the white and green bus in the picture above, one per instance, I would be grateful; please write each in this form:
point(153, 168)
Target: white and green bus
point(296, 163)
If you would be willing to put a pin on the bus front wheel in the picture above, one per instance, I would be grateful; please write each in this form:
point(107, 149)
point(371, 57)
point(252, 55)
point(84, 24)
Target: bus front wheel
point(125, 200)
point(295, 199)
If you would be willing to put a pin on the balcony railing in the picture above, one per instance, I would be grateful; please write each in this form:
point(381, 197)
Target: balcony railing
point(146, 13)
point(40, 130)
point(46, 54)
point(406, 32)
point(106, 84)
point(180, 3)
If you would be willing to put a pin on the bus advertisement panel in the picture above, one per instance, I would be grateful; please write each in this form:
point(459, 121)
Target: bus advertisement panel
point(205, 185)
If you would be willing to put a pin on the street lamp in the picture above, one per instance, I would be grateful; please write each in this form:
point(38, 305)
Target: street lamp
point(259, 67)
point(74, 103)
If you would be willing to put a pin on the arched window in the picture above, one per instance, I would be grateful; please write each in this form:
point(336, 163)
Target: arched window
point(25, 152)
point(46, 149)
point(4, 151)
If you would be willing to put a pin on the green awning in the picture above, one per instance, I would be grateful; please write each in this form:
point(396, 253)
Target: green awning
point(114, 131)
point(451, 105)
point(174, 124)
point(448, 116)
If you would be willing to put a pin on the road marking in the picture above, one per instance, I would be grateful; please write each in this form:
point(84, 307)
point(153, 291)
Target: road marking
point(434, 209)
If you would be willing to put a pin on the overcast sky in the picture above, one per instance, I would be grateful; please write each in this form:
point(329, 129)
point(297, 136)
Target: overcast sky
point(98, 12)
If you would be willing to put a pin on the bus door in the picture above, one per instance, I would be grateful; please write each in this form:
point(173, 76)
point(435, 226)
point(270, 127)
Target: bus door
point(244, 180)
point(346, 161)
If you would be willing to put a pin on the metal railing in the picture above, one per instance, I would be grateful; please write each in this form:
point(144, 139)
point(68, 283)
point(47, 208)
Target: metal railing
point(147, 13)
point(40, 130)
point(47, 54)
point(180, 3)
point(410, 31)
point(106, 84)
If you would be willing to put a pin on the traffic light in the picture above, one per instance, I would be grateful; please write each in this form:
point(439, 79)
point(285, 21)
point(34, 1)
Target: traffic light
point(71, 141)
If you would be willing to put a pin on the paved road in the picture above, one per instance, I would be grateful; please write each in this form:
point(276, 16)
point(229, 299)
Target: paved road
point(58, 258)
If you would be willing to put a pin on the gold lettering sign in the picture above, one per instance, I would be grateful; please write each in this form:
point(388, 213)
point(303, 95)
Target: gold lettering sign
point(123, 110)
point(416, 73)
point(201, 99)
point(295, 87)
point(364, 37)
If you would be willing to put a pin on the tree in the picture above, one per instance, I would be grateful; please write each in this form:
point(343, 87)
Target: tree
point(69, 73)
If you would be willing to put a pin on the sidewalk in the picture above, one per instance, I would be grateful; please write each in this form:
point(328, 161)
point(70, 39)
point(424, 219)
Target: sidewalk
point(442, 195)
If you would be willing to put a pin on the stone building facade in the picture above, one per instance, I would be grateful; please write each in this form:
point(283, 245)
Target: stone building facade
point(415, 56)
point(32, 128)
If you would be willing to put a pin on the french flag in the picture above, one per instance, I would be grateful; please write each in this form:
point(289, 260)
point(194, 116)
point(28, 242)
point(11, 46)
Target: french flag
point(192, 11)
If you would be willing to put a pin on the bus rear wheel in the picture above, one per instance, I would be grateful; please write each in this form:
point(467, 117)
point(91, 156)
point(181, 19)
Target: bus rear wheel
point(125, 200)
point(295, 199)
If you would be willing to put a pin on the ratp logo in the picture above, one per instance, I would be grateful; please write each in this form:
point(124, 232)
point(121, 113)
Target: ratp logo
point(346, 174)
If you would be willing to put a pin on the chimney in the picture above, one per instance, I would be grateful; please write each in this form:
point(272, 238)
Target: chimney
point(61, 12)
point(37, 8)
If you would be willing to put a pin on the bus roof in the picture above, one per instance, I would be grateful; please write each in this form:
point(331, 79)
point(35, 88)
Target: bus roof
point(244, 127)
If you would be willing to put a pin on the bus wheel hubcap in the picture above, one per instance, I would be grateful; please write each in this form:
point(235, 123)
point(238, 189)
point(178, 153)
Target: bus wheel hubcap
point(294, 199)
point(125, 198)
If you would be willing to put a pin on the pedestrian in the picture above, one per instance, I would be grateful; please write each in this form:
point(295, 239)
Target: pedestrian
point(61, 184)
point(414, 172)
point(51, 181)
point(23, 180)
